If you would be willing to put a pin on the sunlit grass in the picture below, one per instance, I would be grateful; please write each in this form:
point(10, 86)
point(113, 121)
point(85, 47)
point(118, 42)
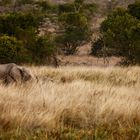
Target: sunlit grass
point(73, 103)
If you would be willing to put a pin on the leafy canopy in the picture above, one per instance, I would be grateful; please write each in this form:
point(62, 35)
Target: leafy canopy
point(11, 49)
point(121, 31)
point(74, 21)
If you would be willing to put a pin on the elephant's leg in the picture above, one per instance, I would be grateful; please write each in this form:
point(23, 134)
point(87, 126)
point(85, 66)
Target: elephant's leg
point(15, 74)
point(8, 80)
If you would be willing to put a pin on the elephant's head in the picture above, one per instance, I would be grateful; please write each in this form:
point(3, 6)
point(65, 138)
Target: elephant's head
point(12, 73)
point(25, 74)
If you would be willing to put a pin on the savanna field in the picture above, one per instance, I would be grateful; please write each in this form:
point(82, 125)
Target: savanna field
point(73, 103)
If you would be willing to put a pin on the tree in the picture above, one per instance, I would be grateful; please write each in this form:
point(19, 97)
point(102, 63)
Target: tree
point(134, 9)
point(46, 6)
point(25, 1)
point(11, 50)
point(97, 47)
point(23, 27)
point(76, 31)
point(75, 24)
point(121, 31)
point(11, 23)
point(43, 49)
point(5, 2)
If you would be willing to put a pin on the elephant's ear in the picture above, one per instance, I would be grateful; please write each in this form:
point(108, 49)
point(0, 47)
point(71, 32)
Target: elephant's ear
point(24, 74)
point(21, 72)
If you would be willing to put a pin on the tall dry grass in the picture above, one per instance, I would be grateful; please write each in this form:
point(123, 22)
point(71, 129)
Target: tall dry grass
point(82, 97)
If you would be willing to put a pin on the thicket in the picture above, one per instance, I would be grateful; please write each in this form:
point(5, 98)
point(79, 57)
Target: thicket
point(46, 6)
point(72, 19)
point(11, 50)
point(24, 28)
point(121, 34)
point(8, 2)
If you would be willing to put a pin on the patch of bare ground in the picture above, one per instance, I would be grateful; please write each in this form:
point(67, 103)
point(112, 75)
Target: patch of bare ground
point(75, 60)
point(83, 58)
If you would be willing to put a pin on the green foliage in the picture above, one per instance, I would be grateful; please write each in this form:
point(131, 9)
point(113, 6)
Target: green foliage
point(112, 131)
point(65, 8)
point(43, 48)
point(90, 9)
point(11, 49)
point(46, 6)
point(24, 26)
point(11, 23)
point(78, 6)
point(5, 2)
point(25, 1)
point(74, 19)
point(76, 31)
point(75, 22)
point(79, 2)
point(97, 46)
point(134, 10)
point(19, 2)
point(121, 31)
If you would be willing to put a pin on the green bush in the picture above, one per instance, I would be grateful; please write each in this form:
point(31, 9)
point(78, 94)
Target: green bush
point(97, 47)
point(46, 6)
point(121, 31)
point(78, 6)
point(12, 22)
point(24, 27)
point(76, 31)
point(42, 49)
point(74, 20)
point(5, 2)
point(134, 10)
point(65, 8)
point(11, 50)
point(25, 1)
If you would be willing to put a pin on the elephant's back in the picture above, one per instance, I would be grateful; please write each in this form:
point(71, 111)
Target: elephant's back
point(4, 68)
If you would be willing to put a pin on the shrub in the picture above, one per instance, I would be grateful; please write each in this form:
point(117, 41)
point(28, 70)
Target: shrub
point(121, 31)
point(97, 46)
point(11, 50)
point(76, 31)
point(11, 23)
point(65, 8)
point(78, 6)
point(47, 6)
point(134, 10)
point(24, 27)
point(42, 49)
point(98, 49)
point(74, 20)
point(25, 1)
point(5, 2)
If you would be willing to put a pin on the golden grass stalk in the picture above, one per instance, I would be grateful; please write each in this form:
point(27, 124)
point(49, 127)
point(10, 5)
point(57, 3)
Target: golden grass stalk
point(78, 96)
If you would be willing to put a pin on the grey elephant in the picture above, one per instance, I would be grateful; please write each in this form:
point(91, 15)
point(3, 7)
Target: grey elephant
point(12, 73)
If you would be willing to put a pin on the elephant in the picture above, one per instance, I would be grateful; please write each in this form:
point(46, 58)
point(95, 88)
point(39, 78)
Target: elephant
point(12, 73)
